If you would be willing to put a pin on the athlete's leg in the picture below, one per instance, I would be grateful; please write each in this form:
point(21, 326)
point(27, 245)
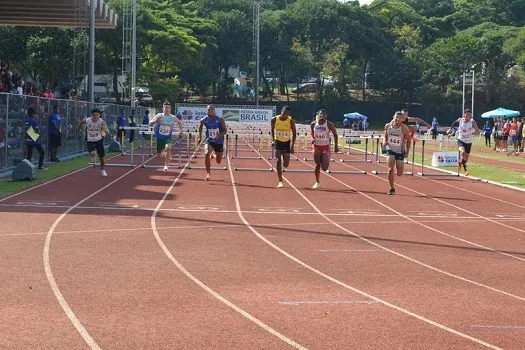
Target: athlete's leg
point(412, 130)
point(400, 166)
point(317, 160)
point(325, 160)
point(391, 159)
point(167, 158)
point(279, 165)
point(207, 150)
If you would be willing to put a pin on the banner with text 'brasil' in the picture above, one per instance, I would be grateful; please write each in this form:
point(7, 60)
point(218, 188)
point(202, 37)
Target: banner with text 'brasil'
point(229, 113)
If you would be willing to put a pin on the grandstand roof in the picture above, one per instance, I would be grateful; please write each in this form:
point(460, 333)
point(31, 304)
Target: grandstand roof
point(55, 13)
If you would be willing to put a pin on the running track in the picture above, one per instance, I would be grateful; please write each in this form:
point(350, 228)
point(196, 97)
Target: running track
point(153, 260)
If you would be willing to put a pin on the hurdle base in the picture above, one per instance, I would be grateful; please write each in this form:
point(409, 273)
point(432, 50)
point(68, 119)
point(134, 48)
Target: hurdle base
point(253, 169)
point(204, 168)
point(444, 174)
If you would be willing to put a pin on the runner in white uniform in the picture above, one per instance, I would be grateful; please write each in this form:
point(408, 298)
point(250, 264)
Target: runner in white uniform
point(397, 137)
point(467, 127)
point(96, 130)
point(321, 129)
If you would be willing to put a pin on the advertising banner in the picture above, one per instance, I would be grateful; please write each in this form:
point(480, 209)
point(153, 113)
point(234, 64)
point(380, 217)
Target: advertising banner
point(440, 159)
point(248, 114)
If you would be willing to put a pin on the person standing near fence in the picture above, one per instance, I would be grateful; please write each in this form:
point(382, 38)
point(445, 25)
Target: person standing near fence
point(122, 121)
point(33, 138)
point(397, 138)
point(55, 134)
point(467, 128)
point(487, 131)
point(283, 136)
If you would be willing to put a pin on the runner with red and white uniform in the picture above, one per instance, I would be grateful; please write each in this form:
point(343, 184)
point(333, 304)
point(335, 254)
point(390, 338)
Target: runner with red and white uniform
point(321, 129)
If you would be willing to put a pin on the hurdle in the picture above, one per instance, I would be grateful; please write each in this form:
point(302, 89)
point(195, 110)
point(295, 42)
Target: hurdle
point(236, 157)
point(131, 162)
point(366, 160)
point(226, 152)
point(378, 160)
point(235, 154)
point(178, 166)
point(422, 172)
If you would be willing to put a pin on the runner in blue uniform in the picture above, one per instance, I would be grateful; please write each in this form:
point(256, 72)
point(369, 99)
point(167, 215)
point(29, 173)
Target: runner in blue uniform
point(163, 124)
point(215, 131)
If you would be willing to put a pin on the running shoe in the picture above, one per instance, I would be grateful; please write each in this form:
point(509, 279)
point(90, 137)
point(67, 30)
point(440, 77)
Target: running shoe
point(208, 176)
point(165, 168)
point(103, 173)
point(280, 184)
point(466, 173)
point(392, 191)
point(316, 185)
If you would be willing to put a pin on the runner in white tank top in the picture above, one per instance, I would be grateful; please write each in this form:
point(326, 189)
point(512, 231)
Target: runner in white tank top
point(467, 128)
point(397, 137)
point(321, 129)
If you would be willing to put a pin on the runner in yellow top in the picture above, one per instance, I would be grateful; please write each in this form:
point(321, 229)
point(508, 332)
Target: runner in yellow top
point(283, 136)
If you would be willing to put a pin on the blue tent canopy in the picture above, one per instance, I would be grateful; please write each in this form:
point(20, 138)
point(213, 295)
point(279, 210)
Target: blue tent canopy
point(500, 112)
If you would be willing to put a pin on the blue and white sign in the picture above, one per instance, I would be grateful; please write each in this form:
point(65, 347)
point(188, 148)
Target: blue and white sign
point(248, 114)
point(440, 159)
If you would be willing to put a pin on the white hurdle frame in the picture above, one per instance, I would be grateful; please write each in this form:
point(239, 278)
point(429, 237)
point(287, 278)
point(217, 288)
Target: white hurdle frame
point(422, 172)
point(378, 159)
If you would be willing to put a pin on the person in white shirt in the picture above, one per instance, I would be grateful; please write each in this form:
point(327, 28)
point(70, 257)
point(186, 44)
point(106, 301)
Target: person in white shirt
point(96, 129)
point(467, 128)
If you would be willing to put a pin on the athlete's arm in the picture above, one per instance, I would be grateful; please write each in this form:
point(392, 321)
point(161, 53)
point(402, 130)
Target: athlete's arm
point(415, 120)
point(312, 135)
point(454, 125)
point(294, 132)
point(332, 128)
point(406, 134)
point(201, 123)
point(475, 126)
point(385, 136)
point(224, 131)
point(154, 120)
point(272, 126)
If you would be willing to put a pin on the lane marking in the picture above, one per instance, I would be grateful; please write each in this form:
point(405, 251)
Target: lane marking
point(49, 273)
point(201, 284)
point(443, 202)
point(326, 302)
point(336, 281)
point(349, 250)
point(511, 327)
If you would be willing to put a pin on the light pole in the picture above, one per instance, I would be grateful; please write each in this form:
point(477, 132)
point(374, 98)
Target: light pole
point(471, 76)
point(256, 13)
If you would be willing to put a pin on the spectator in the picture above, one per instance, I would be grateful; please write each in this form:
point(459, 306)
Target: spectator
point(55, 134)
point(121, 122)
point(487, 131)
point(145, 120)
point(434, 128)
point(33, 139)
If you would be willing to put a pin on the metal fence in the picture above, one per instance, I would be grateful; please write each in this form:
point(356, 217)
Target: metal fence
point(13, 115)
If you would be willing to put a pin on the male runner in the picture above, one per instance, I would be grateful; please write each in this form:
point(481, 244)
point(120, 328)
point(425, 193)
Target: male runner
point(215, 131)
point(410, 122)
point(283, 136)
point(397, 138)
point(163, 128)
point(467, 127)
point(321, 129)
point(96, 130)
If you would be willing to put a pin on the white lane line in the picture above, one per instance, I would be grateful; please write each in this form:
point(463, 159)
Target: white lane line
point(326, 302)
point(49, 273)
point(201, 284)
point(349, 250)
point(336, 281)
point(464, 279)
point(443, 202)
point(511, 327)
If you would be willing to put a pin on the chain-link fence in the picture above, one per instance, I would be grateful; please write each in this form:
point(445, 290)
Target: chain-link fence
point(14, 114)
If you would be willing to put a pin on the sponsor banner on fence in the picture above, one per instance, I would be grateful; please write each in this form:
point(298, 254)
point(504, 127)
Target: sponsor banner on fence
point(440, 159)
point(249, 114)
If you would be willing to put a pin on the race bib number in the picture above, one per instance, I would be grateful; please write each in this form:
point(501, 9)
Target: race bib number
point(320, 136)
point(164, 130)
point(394, 140)
point(283, 134)
point(213, 133)
point(94, 134)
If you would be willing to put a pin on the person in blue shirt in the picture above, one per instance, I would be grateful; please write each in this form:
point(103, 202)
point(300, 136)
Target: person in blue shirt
point(33, 137)
point(122, 121)
point(487, 131)
point(145, 120)
point(55, 134)
point(215, 131)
